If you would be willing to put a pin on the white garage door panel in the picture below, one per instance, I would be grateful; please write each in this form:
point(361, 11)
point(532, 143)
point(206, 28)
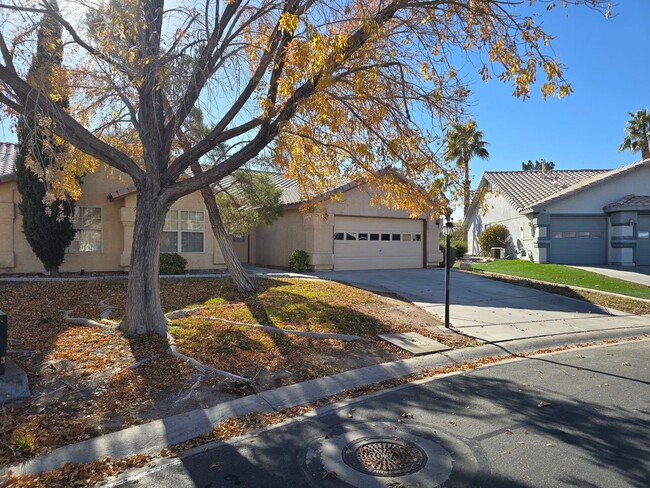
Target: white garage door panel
point(369, 254)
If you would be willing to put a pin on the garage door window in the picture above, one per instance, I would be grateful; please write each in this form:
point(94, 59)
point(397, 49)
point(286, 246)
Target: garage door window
point(376, 236)
point(571, 234)
point(597, 235)
point(583, 235)
point(556, 235)
point(644, 235)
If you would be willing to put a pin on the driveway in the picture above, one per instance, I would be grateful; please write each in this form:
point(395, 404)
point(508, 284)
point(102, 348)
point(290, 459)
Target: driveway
point(490, 310)
point(635, 274)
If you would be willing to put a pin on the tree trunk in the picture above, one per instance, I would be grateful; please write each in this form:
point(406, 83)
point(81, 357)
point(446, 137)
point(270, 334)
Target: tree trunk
point(467, 188)
point(54, 272)
point(645, 150)
point(237, 272)
point(144, 314)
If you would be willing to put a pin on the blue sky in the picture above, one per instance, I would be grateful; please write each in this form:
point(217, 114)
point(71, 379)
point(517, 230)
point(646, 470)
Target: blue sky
point(608, 64)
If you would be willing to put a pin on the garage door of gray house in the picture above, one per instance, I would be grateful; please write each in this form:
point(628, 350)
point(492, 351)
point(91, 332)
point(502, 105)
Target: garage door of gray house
point(643, 241)
point(578, 240)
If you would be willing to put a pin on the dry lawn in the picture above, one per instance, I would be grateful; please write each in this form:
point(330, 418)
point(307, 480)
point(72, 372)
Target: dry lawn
point(84, 384)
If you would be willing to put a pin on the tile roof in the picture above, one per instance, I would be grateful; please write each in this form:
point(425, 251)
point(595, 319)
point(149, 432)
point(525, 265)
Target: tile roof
point(630, 201)
point(7, 158)
point(525, 188)
point(594, 180)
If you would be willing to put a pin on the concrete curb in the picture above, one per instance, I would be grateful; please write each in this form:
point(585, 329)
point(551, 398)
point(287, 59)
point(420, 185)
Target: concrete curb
point(156, 435)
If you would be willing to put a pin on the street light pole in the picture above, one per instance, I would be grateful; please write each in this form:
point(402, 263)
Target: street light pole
point(448, 227)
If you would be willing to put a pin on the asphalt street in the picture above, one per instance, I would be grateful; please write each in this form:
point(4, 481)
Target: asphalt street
point(576, 418)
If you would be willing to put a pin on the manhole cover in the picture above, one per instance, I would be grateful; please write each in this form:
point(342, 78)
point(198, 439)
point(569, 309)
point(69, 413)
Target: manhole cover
point(384, 457)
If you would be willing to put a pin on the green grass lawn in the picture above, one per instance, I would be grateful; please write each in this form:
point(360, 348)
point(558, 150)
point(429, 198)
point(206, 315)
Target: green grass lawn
point(564, 275)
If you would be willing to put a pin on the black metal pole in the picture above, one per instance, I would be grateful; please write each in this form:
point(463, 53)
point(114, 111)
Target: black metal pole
point(447, 267)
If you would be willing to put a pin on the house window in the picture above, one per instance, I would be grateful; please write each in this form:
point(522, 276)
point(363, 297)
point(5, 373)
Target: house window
point(88, 224)
point(183, 231)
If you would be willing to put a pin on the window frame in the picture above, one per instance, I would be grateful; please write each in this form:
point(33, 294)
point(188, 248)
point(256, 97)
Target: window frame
point(179, 232)
point(78, 231)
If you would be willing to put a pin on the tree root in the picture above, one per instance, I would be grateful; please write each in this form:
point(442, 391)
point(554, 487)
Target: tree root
point(85, 322)
point(200, 367)
point(303, 333)
point(180, 314)
point(105, 309)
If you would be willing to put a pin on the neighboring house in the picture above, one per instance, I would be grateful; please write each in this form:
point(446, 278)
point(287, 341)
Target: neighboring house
point(346, 234)
point(567, 217)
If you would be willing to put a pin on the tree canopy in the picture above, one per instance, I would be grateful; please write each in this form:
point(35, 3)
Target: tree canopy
point(341, 89)
point(637, 132)
point(538, 165)
point(46, 222)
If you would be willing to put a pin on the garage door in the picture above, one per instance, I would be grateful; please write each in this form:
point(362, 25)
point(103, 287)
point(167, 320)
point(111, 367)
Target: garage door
point(376, 243)
point(578, 240)
point(643, 242)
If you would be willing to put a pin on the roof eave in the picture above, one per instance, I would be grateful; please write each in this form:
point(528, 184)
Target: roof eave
point(8, 177)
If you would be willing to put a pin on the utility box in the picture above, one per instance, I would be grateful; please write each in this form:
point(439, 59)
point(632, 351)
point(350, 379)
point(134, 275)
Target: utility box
point(497, 252)
point(3, 342)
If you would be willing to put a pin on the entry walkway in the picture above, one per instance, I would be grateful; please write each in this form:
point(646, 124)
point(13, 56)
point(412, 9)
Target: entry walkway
point(635, 274)
point(490, 310)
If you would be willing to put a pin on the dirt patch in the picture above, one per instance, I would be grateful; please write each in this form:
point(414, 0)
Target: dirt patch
point(87, 382)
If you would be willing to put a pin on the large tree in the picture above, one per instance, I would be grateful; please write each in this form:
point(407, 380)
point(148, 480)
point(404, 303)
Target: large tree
point(463, 143)
point(343, 89)
point(46, 223)
point(638, 133)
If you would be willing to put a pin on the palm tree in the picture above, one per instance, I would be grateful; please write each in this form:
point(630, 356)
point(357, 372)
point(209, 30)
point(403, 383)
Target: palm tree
point(638, 133)
point(464, 142)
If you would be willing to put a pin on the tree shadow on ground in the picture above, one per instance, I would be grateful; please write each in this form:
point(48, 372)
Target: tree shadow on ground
point(606, 437)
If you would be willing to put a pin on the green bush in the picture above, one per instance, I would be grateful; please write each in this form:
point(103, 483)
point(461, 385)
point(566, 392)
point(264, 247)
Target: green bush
point(298, 261)
point(461, 248)
point(494, 236)
point(444, 255)
point(172, 263)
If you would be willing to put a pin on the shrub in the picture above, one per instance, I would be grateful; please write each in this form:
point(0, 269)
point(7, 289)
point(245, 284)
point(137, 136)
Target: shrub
point(172, 263)
point(461, 248)
point(494, 236)
point(444, 255)
point(298, 261)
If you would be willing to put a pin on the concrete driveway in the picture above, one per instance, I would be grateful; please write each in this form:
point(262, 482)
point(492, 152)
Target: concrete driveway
point(490, 310)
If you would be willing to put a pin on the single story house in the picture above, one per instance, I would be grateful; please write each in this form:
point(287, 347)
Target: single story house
point(568, 217)
point(346, 234)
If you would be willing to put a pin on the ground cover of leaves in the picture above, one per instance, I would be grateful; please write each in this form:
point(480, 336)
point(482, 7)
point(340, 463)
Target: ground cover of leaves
point(84, 383)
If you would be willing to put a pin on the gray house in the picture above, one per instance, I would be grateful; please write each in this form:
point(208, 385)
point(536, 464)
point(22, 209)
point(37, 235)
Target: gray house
point(567, 217)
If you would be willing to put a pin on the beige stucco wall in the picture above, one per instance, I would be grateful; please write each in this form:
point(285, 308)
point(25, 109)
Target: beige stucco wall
point(314, 232)
point(211, 257)
point(118, 216)
point(96, 187)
